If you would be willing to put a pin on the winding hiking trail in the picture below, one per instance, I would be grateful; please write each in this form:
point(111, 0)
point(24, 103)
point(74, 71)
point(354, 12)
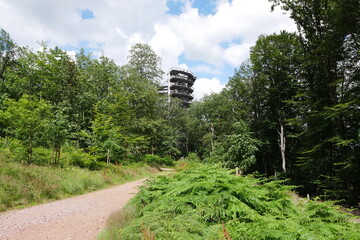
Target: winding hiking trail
point(80, 217)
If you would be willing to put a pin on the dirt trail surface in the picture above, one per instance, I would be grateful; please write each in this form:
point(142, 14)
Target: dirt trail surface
point(81, 217)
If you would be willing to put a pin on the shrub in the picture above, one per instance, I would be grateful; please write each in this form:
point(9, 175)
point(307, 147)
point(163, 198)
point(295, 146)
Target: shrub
point(193, 157)
point(21, 185)
point(11, 150)
point(78, 158)
point(41, 156)
point(155, 160)
point(207, 202)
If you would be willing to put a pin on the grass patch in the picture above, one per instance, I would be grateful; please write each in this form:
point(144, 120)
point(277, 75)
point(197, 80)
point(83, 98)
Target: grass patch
point(118, 220)
point(23, 185)
point(207, 202)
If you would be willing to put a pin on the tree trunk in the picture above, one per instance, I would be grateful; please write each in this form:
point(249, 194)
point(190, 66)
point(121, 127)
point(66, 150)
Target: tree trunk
point(108, 156)
point(58, 154)
point(212, 136)
point(282, 144)
point(30, 150)
point(265, 166)
point(55, 158)
point(52, 161)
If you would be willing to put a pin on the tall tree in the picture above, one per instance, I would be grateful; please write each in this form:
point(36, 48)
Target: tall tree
point(276, 66)
point(239, 91)
point(327, 28)
point(139, 83)
point(107, 137)
point(8, 51)
point(145, 62)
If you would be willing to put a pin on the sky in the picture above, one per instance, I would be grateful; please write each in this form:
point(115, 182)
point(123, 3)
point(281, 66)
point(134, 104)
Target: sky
point(209, 37)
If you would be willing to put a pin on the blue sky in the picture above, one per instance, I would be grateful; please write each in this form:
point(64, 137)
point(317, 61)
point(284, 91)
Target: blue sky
point(87, 14)
point(205, 7)
point(211, 38)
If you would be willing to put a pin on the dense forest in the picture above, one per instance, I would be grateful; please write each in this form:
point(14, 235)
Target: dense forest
point(292, 110)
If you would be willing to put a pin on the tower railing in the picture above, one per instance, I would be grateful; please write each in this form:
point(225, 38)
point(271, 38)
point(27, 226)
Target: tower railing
point(182, 70)
point(185, 93)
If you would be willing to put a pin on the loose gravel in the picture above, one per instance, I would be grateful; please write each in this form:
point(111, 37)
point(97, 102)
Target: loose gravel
point(80, 218)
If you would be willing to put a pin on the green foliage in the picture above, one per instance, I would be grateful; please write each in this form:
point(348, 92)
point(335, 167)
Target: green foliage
point(329, 86)
point(298, 93)
point(23, 185)
point(275, 61)
point(192, 157)
point(48, 100)
point(198, 203)
point(117, 221)
point(107, 136)
point(26, 120)
point(78, 158)
point(235, 150)
point(154, 160)
point(12, 150)
point(57, 133)
point(243, 147)
point(145, 62)
point(209, 123)
point(8, 51)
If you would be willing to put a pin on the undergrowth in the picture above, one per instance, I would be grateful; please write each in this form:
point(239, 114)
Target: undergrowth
point(207, 202)
point(22, 185)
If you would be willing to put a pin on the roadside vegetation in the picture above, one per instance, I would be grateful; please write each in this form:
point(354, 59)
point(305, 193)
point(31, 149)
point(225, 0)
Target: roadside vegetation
point(79, 172)
point(22, 185)
point(70, 125)
point(208, 202)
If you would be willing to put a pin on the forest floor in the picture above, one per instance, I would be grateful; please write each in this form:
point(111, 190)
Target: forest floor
point(356, 213)
point(80, 217)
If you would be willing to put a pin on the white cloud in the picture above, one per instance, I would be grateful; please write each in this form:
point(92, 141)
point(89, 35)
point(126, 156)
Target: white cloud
point(184, 66)
point(240, 19)
point(119, 23)
point(236, 52)
point(167, 45)
point(203, 86)
point(60, 23)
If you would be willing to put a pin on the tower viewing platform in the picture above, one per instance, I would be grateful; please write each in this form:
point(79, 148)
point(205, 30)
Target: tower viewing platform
point(181, 83)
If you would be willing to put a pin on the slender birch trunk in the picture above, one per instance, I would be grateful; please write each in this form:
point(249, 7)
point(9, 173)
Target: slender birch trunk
point(282, 144)
point(108, 156)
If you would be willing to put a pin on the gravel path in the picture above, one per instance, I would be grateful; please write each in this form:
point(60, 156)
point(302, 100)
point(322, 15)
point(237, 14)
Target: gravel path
point(81, 217)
